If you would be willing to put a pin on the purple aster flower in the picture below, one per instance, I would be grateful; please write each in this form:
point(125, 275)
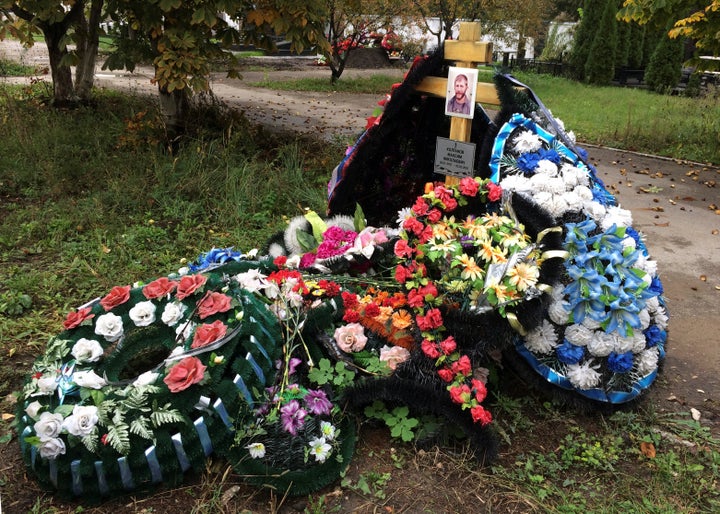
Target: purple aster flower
point(292, 417)
point(317, 403)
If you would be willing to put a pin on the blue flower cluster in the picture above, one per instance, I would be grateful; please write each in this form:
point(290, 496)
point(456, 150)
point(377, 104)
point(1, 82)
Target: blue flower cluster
point(213, 257)
point(527, 162)
point(605, 285)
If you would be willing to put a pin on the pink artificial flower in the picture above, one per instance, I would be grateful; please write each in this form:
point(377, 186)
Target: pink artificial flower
point(213, 303)
point(75, 319)
point(351, 337)
point(185, 373)
point(117, 296)
point(468, 186)
point(189, 284)
point(159, 288)
point(494, 191)
point(394, 356)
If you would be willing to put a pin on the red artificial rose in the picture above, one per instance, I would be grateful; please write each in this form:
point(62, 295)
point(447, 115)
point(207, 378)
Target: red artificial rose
point(430, 349)
point(189, 284)
point(159, 288)
point(462, 366)
point(75, 319)
point(468, 186)
point(446, 374)
point(434, 318)
point(208, 333)
point(185, 373)
point(480, 390)
point(403, 249)
point(212, 304)
point(280, 261)
point(413, 225)
point(425, 235)
point(420, 207)
point(442, 193)
point(479, 414)
point(434, 215)
point(494, 192)
point(448, 345)
point(460, 394)
point(117, 296)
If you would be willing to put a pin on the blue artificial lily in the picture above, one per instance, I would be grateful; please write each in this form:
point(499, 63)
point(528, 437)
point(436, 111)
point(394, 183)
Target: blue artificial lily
point(215, 256)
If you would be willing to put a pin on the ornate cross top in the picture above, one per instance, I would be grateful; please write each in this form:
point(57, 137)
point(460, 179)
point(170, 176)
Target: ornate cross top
point(466, 52)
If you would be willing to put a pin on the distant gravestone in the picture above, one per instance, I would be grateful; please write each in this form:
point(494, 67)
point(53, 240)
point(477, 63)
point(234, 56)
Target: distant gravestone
point(375, 57)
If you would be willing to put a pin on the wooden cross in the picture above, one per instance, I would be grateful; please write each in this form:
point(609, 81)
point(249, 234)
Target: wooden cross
point(466, 52)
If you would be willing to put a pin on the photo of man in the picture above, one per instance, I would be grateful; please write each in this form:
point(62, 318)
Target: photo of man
point(461, 92)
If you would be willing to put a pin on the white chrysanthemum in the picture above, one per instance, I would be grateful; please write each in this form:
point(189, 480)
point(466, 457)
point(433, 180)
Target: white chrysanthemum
point(516, 183)
point(544, 199)
point(542, 339)
point(629, 242)
point(647, 361)
point(328, 430)
point(590, 323)
point(644, 316)
point(616, 216)
point(584, 375)
point(602, 344)
point(578, 335)
point(583, 193)
point(639, 342)
point(595, 210)
point(540, 182)
point(173, 313)
point(558, 293)
point(143, 313)
point(625, 344)
point(574, 176)
point(526, 141)
point(276, 250)
point(647, 265)
point(546, 167)
point(660, 318)
point(558, 206)
point(573, 201)
point(290, 236)
point(556, 185)
point(652, 304)
point(558, 313)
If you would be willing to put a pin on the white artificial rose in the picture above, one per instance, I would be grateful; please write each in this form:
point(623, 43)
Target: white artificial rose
point(583, 376)
point(33, 409)
point(87, 350)
point(48, 426)
point(185, 330)
point(173, 313)
point(89, 379)
point(147, 378)
point(47, 384)
point(110, 326)
point(82, 420)
point(51, 448)
point(143, 314)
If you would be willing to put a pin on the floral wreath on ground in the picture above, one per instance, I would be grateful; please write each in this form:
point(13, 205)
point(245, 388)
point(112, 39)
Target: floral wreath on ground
point(137, 366)
point(606, 327)
point(475, 263)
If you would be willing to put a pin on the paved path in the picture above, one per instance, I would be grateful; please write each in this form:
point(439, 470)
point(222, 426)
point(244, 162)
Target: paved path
point(674, 203)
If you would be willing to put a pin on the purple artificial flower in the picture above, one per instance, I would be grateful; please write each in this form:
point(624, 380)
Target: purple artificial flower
point(292, 417)
point(293, 364)
point(317, 403)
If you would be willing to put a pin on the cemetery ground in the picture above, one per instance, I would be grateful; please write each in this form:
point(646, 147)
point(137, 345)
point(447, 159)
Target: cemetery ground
point(87, 206)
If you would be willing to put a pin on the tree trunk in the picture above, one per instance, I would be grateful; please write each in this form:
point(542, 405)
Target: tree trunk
point(87, 49)
point(63, 91)
point(174, 106)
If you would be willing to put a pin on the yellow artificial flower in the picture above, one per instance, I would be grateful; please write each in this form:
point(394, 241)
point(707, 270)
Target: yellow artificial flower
point(475, 228)
point(471, 271)
point(524, 276)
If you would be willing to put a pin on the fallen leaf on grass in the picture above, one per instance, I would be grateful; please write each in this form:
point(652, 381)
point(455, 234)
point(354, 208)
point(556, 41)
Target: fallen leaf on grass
point(648, 449)
point(6, 416)
point(695, 413)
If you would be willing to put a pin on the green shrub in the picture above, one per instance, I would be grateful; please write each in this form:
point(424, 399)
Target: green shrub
point(665, 67)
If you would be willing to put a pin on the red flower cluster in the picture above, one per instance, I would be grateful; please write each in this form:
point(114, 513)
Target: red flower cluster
point(381, 312)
